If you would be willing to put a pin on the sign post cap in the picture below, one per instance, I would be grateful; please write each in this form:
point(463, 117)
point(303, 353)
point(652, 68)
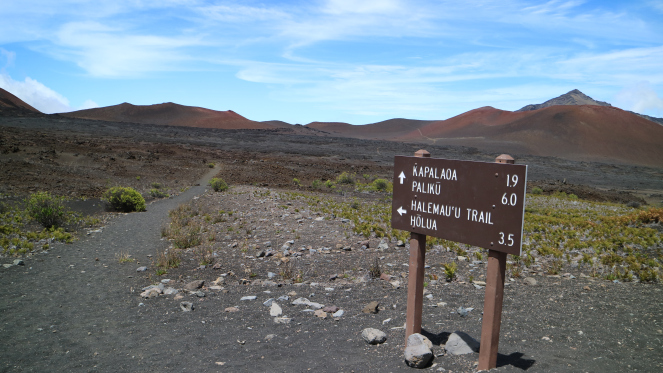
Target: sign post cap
point(505, 158)
point(421, 153)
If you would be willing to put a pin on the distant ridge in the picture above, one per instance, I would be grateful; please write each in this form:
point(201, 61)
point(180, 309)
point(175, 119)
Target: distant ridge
point(574, 97)
point(14, 105)
point(170, 114)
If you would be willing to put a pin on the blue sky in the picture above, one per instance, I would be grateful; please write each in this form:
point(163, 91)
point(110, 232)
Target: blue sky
point(333, 60)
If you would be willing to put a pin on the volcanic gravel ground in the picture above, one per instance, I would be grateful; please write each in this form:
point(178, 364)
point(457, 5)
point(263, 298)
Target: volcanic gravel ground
point(77, 308)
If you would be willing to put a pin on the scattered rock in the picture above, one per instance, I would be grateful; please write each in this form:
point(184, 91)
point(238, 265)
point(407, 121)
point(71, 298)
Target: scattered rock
point(383, 246)
point(19, 262)
point(248, 297)
point(418, 351)
point(198, 293)
point(400, 243)
point(170, 291)
point(462, 311)
point(186, 306)
point(396, 284)
point(373, 336)
point(268, 302)
point(338, 314)
point(529, 281)
point(231, 309)
point(275, 310)
point(151, 293)
point(587, 288)
point(269, 337)
point(330, 309)
point(282, 320)
point(460, 343)
point(321, 314)
point(371, 307)
point(219, 281)
point(141, 269)
point(194, 285)
point(385, 277)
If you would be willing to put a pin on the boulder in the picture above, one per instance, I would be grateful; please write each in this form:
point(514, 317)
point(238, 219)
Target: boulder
point(460, 343)
point(373, 336)
point(418, 352)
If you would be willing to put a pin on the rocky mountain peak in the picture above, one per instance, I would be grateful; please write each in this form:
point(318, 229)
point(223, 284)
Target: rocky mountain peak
point(574, 97)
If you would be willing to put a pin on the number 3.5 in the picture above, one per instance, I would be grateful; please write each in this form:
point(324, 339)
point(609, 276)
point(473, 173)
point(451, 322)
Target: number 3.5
point(509, 239)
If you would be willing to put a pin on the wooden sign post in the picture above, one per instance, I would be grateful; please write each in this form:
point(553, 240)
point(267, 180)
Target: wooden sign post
point(476, 203)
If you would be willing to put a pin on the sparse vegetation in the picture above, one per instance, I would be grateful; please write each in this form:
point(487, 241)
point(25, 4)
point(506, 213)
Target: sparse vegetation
point(124, 199)
point(124, 257)
point(345, 178)
point(218, 184)
point(47, 210)
point(156, 193)
point(450, 270)
point(537, 190)
point(375, 270)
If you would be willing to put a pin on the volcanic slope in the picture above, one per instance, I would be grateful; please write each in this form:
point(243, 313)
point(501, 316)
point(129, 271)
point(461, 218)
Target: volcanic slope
point(9, 102)
point(385, 130)
point(582, 132)
point(169, 114)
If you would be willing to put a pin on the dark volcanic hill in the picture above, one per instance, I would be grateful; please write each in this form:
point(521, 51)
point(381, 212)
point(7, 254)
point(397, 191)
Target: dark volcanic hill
point(169, 114)
point(385, 130)
point(12, 104)
point(574, 97)
point(580, 132)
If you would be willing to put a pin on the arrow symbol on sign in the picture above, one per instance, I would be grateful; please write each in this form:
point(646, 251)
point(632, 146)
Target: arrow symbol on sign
point(401, 211)
point(401, 176)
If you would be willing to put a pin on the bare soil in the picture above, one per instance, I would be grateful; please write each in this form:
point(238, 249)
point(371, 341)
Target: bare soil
point(78, 308)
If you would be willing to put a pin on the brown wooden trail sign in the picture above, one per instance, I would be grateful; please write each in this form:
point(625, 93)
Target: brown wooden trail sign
point(477, 203)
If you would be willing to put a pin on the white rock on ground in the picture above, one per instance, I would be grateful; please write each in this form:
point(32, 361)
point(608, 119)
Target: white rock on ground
point(373, 336)
point(275, 310)
point(418, 351)
point(460, 343)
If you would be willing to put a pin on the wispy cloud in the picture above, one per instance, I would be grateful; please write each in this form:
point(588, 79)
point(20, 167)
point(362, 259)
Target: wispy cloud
point(641, 98)
point(35, 94)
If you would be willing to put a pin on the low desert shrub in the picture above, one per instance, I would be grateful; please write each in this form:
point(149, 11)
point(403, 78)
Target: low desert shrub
point(450, 270)
point(218, 184)
point(46, 209)
point(380, 184)
point(345, 178)
point(124, 199)
point(156, 193)
point(537, 190)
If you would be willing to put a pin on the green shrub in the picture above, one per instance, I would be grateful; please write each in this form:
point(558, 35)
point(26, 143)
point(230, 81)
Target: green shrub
point(296, 182)
point(156, 193)
point(124, 199)
point(380, 184)
point(46, 209)
point(345, 178)
point(316, 183)
point(218, 184)
point(211, 165)
point(537, 190)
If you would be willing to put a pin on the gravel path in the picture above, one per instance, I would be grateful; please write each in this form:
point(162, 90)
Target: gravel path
point(75, 312)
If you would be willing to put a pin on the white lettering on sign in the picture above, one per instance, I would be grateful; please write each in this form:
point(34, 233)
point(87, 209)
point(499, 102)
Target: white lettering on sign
point(479, 216)
point(419, 222)
point(434, 173)
point(426, 188)
point(436, 209)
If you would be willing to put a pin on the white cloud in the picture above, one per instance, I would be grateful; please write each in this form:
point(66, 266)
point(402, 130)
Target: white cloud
point(35, 94)
point(641, 98)
point(40, 96)
point(105, 51)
